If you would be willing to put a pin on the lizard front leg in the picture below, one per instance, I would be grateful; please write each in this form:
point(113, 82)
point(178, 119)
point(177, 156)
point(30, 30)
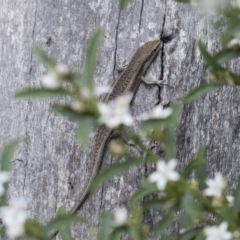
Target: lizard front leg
point(160, 83)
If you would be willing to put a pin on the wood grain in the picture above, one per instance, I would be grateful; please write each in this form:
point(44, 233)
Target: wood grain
point(53, 167)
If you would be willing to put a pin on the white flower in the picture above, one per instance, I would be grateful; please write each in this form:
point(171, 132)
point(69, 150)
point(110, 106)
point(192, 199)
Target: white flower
point(230, 200)
point(116, 112)
point(157, 112)
point(13, 218)
point(61, 69)
point(165, 172)
point(215, 186)
point(218, 232)
point(4, 177)
point(120, 217)
point(51, 81)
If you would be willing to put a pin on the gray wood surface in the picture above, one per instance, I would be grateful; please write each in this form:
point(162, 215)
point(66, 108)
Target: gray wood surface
point(51, 168)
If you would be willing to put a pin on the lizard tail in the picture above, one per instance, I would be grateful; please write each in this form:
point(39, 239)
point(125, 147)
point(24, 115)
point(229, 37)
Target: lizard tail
point(101, 138)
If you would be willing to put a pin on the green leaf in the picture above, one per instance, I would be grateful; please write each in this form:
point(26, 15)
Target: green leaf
point(136, 228)
point(226, 55)
point(200, 91)
point(196, 163)
point(43, 57)
point(48, 62)
point(123, 4)
point(154, 123)
point(201, 169)
point(226, 212)
point(112, 171)
point(211, 61)
point(42, 93)
point(168, 237)
point(190, 234)
point(67, 112)
point(161, 226)
point(91, 59)
point(192, 207)
point(169, 140)
point(106, 222)
point(141, 193)
point(7, 155)
point(185, 220)
point(232, 29)
point(63, 220)
point(117, 233)
point(35, 230)
point(155, 204)
point(64, 230)
point(84, 129)
point(237, 199)
point(134, 233)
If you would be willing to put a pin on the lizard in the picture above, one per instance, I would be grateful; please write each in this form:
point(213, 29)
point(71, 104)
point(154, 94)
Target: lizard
point(128, 81)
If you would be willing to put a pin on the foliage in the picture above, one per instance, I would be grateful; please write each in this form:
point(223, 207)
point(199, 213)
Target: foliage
point(202, 207)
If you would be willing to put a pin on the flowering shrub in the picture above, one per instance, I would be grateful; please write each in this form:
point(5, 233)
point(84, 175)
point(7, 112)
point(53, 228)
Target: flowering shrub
point(205, 208)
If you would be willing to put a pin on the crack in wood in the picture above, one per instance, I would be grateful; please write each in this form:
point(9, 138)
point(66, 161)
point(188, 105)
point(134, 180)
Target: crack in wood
point(140, 21)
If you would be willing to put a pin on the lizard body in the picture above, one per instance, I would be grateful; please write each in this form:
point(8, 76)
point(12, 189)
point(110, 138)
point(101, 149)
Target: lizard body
point(128, 81)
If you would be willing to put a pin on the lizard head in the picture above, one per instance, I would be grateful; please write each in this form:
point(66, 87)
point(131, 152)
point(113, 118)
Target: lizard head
point(150, 49)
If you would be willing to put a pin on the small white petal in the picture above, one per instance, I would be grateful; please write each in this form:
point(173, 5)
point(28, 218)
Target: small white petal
point(209, 192)
point(157, 112)
point(51, 81)
point(161, 184)
point(120, 216)
point(14, 218)
point(161, 165)
point(173, 176)
point(154, 177)
point(215, 186)
point(127, 120)
point(160, 112)
point(62, 69)
point(113, 122)
point(223, 226)
point(172, 163)
point(102, 90)
point(4, 176)
point(103, 108)
point(230, 200)
point(218, 232)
